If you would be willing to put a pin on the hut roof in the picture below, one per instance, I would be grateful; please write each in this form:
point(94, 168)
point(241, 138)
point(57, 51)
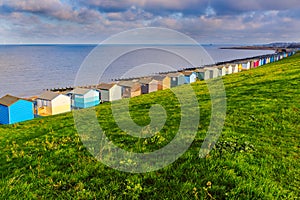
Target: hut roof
point(145, 80)
point(176, 74)
point(80, 91)
point(127, 83)
point(105, 86)
point(8, 100)
point(48, 95)
point(220, 67)
point(200, 70)
point(158, 78)
point(187, 73)
point(211, 68)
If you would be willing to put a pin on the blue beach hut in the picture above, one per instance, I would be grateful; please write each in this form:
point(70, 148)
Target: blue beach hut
point(14, 110)
point(84, 98)
point(190, 76)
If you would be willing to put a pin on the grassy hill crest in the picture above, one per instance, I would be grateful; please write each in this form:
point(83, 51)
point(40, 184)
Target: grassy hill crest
point(257, 156)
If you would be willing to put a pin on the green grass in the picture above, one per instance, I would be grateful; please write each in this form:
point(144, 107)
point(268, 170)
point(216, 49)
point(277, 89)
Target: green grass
point(257, 156)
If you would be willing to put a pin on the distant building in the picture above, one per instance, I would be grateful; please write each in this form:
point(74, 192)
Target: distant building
point(14, 110)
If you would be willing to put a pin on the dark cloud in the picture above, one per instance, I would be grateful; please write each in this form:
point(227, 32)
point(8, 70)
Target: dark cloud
point(192, 7)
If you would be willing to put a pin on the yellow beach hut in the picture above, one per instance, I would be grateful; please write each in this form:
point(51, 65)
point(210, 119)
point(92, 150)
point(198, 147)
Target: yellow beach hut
point(240, 67)
point(51, 103)
point(164, 82)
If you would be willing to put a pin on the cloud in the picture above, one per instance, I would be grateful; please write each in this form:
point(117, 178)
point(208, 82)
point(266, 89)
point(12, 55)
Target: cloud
point(192, 7)
point(205, 20)
point(53, 9)
point(145, 4)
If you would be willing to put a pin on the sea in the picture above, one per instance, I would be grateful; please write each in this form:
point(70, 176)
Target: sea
point(28, 70)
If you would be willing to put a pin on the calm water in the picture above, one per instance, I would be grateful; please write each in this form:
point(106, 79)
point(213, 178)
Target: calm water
point(27, 70)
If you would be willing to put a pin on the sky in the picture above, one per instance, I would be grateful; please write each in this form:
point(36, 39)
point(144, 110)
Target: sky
point(206, 21)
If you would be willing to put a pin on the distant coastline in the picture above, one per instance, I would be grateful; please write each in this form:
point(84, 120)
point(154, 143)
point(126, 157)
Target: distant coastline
point(277, 47)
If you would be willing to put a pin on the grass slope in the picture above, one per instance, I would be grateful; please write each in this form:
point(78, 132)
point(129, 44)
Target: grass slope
point(257, 156)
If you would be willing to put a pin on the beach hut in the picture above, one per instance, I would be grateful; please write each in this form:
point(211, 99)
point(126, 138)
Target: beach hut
point(51, 103)
point(176, 79)
point(240, 67)
point(190, 76)
point(246, 65)
point(14, 110)
point(84, 98)
point(256, 64)
point(109, 92)
point(163, 82)
point(261, 62)
point(229, 69)
point(153, 85)
point(202, 74)
point(148, 85)
point(251, 64)
point(235, 68)
point(131, 88)
point(272, 58)
point(222, 70)
point(213, 72)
